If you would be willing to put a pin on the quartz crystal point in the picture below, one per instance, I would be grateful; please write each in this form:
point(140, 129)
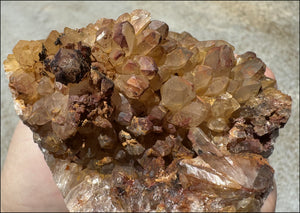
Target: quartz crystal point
point(132, 117)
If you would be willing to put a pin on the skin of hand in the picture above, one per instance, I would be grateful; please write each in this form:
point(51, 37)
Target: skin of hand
point(27, 184)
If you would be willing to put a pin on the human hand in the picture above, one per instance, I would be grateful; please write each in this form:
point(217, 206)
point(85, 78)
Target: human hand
point(26, 180)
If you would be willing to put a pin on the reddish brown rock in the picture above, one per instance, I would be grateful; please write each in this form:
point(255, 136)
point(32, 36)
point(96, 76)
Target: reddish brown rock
point(132, 117)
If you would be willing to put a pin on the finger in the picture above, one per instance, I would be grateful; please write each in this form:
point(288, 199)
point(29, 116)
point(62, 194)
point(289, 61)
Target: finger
point(270, 203)
point(26, 180)
point(269, 73)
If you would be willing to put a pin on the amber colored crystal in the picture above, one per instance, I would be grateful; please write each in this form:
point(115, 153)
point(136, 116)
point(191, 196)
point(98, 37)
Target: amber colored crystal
point(133, 117)
point(200, 76)
point(176, 93)
point(191, 115)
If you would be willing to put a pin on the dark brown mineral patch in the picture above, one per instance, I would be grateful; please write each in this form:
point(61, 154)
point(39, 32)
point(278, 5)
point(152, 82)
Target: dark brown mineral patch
point(69, 65)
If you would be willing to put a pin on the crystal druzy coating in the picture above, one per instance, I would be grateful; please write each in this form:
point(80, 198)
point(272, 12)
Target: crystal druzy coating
point(133, 117)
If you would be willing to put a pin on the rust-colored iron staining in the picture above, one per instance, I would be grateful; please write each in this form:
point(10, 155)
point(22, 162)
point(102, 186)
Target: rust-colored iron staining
point(132, 117)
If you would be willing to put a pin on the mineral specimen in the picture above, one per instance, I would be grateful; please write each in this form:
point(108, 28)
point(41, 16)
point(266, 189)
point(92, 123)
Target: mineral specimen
point(132, 117)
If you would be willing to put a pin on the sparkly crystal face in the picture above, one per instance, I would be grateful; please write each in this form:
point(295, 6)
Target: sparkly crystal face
point(138, 118)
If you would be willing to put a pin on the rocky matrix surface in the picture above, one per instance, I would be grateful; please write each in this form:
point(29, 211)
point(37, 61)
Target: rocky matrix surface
point(133, 117)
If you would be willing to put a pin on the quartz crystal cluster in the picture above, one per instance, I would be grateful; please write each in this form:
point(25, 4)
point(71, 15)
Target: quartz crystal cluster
point(133, 117)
